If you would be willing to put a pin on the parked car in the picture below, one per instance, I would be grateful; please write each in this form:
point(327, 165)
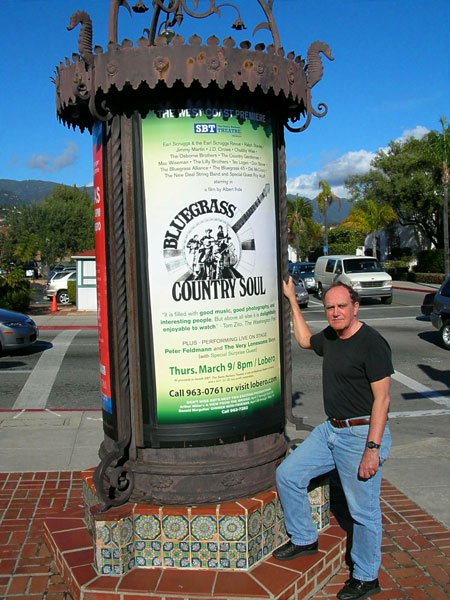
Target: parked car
point(427, 304)
point(58, 286)
point(60, 269)
point(16, 330)
point(31, 269)
point(305, 272)
point(364, 273)
point(300, 292)
point(440, 315)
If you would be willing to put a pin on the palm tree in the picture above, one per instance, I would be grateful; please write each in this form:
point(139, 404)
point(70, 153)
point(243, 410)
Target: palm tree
point(299, 212)
point(324, 199)
point(370, 219)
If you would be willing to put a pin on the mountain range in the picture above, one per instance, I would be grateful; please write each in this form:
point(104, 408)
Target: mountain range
point(30, 191)
point(335, 215)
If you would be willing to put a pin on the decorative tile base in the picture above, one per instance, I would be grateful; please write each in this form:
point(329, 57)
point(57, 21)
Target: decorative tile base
point(230, 536)
point(66, 537)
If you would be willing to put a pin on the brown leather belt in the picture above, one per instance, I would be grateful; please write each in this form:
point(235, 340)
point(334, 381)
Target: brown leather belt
point(348, 422)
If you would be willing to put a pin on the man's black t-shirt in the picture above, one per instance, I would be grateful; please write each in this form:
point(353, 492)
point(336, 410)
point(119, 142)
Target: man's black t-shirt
point(349, 367)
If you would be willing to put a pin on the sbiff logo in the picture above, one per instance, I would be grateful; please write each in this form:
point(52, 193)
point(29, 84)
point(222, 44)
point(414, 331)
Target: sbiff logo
point(205, 128)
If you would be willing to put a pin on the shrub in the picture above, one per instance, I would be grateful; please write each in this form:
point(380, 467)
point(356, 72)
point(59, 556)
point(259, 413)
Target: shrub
point(397, 269)
point(430, 261)
point(72, 291)
point(15, 291)
point(344, 241)
point(427, 277)
point(400, 253)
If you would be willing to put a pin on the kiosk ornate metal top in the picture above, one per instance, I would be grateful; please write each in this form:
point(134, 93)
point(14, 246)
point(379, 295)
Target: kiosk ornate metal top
point(89, 87)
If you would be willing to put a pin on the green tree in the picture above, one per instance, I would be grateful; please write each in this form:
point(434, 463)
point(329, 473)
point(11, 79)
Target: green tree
point(61, 225)
point(406, 177)
point(68, 223)
point(299, 213)
point(344, 240)
point(21, 240)
point(438, 153)
point(324, 199)
point(369, 219)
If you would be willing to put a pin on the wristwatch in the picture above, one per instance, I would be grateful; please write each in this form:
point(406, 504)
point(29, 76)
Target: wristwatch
point(373, 446)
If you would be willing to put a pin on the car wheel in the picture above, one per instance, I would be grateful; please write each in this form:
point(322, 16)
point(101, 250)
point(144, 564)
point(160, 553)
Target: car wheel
point(62, 297)
point(445, 335)
point(387, 299)
point(320, 291)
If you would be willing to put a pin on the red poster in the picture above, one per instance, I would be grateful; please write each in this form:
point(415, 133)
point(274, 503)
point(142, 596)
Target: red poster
point(100, 251)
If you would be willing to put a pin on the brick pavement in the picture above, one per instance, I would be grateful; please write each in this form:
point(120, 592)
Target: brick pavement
point(416, 547)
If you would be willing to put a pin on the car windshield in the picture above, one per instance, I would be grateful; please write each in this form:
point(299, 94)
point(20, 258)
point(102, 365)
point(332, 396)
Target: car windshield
point(362, 265)
point(59, 275)
point(306, 268)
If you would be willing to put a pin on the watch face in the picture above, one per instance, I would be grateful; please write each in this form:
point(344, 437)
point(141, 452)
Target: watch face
point(372, 445)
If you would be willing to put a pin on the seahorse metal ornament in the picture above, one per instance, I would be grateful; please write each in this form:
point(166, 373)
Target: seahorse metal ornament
point(85, 37)
point(84, 80)
point(314, 72)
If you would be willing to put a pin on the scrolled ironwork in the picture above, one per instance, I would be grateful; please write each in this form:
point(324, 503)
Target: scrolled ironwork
point(114, 481)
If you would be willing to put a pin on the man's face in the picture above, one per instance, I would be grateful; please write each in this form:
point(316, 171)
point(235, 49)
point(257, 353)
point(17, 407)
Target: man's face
point(340, 311)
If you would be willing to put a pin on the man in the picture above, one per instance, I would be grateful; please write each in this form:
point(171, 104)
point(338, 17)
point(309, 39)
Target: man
point(355, 439)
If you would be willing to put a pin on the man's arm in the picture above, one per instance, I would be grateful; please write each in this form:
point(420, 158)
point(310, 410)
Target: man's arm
point(301, 329)
point(370, 461)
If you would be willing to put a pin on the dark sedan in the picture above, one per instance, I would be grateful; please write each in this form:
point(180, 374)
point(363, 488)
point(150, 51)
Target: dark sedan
point(440, 315)
point(427, 304)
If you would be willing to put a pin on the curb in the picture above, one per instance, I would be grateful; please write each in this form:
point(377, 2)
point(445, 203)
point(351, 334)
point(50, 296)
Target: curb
point(408, 289)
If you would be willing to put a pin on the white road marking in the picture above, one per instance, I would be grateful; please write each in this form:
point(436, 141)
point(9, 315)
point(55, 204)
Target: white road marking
point(421, 389)
point(52, 412)
point(39, 384)
point(420, 413)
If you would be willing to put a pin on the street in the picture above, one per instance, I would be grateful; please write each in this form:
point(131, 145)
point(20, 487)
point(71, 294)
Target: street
point(61, 370)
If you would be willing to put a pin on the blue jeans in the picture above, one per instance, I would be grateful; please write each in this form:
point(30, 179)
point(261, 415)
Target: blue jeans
point(324, 449)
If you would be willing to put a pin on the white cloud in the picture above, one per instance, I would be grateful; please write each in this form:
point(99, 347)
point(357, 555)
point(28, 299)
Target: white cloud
point(337, 170)
point(49, 164)
point(418, 132)
point(334, 173)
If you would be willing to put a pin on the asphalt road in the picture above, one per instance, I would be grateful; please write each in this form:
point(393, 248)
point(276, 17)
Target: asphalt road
point(61, 369)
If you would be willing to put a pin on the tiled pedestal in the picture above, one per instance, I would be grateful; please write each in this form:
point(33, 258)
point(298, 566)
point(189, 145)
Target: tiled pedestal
point(201, 570)
point(229, 536)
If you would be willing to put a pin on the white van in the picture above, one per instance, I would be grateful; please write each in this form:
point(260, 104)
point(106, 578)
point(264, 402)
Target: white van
point(363, 273)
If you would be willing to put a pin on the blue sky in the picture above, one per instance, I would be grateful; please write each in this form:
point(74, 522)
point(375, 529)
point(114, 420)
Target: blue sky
point(390, 79)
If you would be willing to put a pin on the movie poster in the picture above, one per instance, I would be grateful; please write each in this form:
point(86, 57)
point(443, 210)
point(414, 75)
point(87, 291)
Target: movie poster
point(212, 263)
point(100, 262)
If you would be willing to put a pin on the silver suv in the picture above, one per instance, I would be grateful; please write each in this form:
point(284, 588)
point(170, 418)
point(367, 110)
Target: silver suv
point(58, 286)
point(440, 315)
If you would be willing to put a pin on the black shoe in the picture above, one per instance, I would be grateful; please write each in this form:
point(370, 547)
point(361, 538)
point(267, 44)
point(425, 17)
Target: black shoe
point(289, 551)
point(354, 589)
